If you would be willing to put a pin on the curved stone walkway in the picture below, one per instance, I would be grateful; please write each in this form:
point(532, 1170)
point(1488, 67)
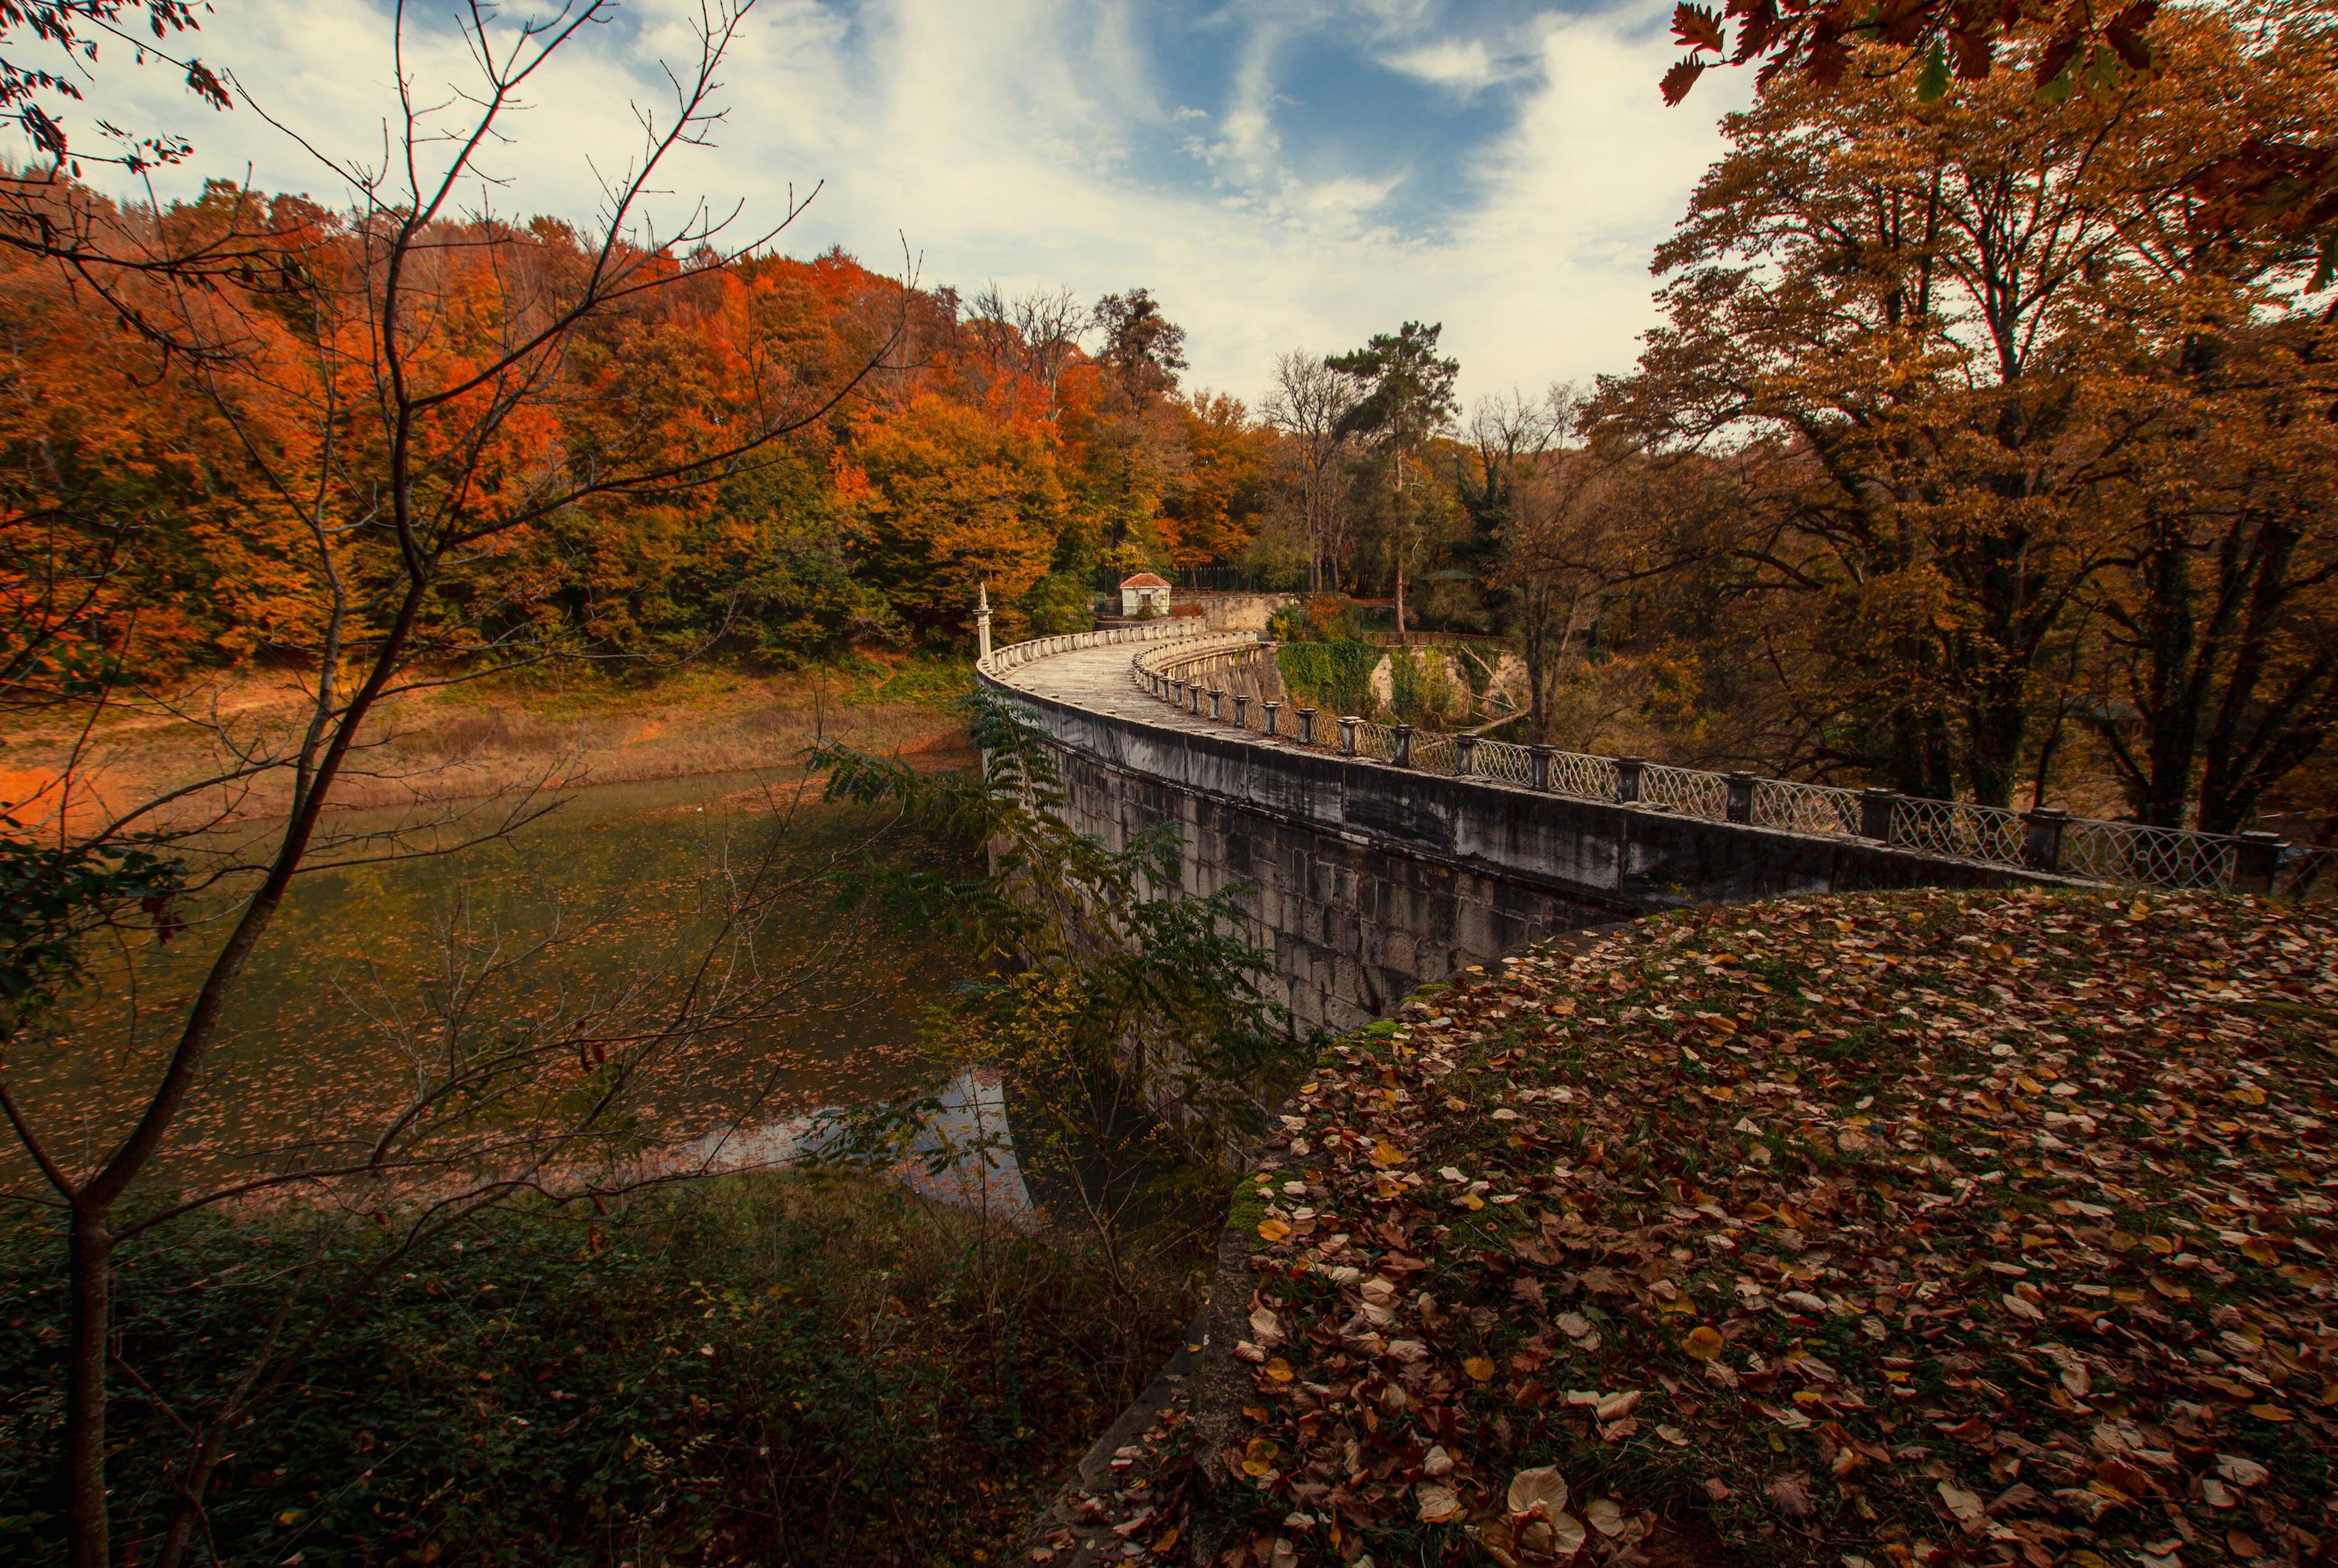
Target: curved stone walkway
point(1099, 679)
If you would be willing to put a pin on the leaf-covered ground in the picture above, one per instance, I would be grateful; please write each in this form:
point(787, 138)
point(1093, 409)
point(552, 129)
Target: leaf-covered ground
point(1928, 1228)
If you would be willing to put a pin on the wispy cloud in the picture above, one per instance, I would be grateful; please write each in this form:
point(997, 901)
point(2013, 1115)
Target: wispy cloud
point(1461, 64)
point(1277, 174)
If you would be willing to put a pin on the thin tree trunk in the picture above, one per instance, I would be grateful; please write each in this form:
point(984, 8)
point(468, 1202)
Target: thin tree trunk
point(1535, 649)
point(89, 1289)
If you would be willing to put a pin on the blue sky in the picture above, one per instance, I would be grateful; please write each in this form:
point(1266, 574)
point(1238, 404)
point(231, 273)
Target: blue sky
point(1281, 173)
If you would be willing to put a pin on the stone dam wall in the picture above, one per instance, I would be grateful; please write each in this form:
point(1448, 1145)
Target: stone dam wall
point(1369, 880)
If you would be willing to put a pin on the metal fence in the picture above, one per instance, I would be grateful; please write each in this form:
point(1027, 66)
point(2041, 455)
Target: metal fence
point(1206, 580)
point(1193, 674)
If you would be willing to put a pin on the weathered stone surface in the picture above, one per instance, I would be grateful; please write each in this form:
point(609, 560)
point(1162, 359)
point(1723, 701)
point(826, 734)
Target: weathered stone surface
point(1368, 880)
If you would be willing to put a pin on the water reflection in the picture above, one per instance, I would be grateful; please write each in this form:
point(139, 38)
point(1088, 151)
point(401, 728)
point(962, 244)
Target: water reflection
point(380, 982)
point(958, 1149)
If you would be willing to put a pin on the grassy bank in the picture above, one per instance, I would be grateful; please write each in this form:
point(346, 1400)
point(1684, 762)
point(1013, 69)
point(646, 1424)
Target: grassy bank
point(1918, 1228)
point(760, 1369)
point(562, 725)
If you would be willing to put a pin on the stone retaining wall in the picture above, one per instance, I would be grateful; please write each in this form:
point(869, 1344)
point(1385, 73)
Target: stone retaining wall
point(1369, 880)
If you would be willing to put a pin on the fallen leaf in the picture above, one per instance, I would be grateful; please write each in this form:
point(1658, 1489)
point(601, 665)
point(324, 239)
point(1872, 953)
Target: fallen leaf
point(1435, 1503)
point(1540, 1491)
point(1791, 1495)
point(1703, 1344)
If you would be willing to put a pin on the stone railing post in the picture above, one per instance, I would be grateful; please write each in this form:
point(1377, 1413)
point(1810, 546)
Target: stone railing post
point(1241, 711)
point(1403, 758)
point(1306, 726)
point(1217, 700)
point(1269, 713)
point(1628, 779)
point(2256, 861)
point(1539, 765)
point(1465, 755)
point(1348, 736)
point(2041, 844)
point(1177, 692)
point(1740, 806)
point(1875, 813)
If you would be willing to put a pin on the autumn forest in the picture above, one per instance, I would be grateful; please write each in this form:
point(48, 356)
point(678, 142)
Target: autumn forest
point(1984, 446)
point(1963, 460)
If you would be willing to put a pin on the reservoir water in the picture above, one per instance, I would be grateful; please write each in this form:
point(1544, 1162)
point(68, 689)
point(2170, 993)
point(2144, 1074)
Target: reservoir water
point(607, 928)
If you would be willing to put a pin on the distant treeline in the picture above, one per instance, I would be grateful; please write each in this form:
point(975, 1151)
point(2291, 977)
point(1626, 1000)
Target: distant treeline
point(1963, 460)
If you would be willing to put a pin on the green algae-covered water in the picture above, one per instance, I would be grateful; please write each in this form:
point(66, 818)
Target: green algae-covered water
point(590, 928)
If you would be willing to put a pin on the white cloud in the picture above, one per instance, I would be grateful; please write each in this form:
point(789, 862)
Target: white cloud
point(1029, 140)
point(1448, 62)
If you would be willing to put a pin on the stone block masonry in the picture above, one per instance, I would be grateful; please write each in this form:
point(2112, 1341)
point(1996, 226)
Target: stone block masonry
point(1369, 880)
point(1352, 925)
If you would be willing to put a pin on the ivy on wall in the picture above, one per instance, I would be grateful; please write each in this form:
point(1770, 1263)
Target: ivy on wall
point(1421, 686)
point(1333, 678)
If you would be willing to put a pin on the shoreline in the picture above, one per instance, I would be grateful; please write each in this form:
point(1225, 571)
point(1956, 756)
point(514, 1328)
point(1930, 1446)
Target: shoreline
point(476, 743)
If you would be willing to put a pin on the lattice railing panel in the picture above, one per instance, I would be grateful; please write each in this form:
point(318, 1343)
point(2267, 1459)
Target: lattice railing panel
point(1583, 777)
point(1377, 741)
point(2309, 872)
point(1806, 807)
point(1435, 753)
point(1503, 762)
point(1959, 829)
point(1686, 790)
point(2157, 856)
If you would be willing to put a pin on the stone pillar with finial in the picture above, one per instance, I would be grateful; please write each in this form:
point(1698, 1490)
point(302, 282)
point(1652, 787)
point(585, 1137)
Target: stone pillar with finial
point(982, 619)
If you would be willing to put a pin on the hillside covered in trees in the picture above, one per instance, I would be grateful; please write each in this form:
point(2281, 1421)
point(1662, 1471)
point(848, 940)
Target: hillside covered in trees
point(1966, 459)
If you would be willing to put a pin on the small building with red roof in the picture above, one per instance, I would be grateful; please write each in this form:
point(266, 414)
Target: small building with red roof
point(1145, 594)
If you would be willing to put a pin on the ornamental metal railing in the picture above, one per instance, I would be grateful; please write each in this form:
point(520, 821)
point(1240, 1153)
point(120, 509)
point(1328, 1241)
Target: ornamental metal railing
point(2131, 852)
point(1194, 675)
point(1955, 830)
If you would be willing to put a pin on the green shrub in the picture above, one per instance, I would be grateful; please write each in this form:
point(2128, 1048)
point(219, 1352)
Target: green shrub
point(1334, 676)
point(1421, 687)
point(768, 1368)
point(1056, 604)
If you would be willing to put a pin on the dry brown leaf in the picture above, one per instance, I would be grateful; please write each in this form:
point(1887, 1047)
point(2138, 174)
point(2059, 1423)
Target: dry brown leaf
point(1540, 1491)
